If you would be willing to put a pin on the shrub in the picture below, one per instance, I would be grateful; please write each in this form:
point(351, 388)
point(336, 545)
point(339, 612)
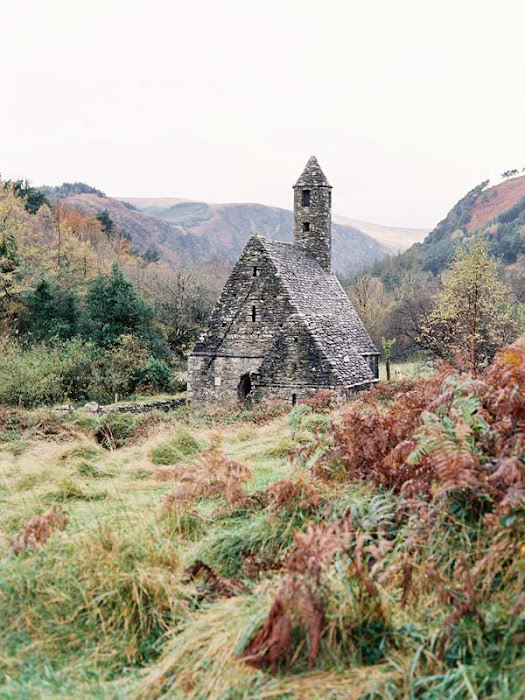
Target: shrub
point(299, 608)
point(76, 369)
point(324, 400)
point(297, 414)
point(155, 375)
point(114, 429)
point(468, 436)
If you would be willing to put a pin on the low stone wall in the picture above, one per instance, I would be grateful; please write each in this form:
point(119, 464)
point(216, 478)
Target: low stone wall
point(96, 409)
point(165, 406)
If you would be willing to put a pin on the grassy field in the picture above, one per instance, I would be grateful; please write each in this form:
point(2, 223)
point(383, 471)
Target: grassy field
point(116, 605)
point(410, 369)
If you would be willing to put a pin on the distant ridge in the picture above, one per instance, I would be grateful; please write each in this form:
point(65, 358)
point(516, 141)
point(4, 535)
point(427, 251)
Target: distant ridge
point(185, 230)
point(394, 238)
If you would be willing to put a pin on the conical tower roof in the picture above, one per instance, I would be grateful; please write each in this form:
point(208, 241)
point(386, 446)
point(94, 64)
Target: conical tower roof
point(312, 175)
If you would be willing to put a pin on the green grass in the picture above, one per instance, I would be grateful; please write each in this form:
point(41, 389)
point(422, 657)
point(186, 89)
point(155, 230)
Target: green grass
point(105, 609)
point(410, 369)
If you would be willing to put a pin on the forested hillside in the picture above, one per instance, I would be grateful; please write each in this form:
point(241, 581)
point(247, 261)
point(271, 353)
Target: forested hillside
point(497, 213)
point(83, 314)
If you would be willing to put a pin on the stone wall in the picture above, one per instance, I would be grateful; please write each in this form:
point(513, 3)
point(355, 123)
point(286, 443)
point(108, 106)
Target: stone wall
point(95, 408)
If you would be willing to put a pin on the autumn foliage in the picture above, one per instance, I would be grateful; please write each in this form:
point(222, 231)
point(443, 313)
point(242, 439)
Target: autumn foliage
point(438, 436)
point(450, 447)
point(210, 475)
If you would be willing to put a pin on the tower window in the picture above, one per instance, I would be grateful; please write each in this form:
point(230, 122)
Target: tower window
point(306, 225)
point(254, 313)
point(306, 198)
point(294, 399)
point(255, 272)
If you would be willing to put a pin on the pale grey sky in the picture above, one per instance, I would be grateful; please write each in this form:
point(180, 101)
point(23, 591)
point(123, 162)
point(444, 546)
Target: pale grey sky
point(406, 103)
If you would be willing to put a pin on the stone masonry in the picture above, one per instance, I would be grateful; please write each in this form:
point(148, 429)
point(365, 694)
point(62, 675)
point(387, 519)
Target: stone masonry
point(283, 326)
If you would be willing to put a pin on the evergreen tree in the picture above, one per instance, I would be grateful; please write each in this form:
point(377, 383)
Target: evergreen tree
point(50, 312)
point(33, 198)
point(107, 223)
point(114, 308)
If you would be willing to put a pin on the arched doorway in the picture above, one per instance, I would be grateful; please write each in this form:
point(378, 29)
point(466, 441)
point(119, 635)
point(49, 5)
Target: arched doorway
point(245, 387)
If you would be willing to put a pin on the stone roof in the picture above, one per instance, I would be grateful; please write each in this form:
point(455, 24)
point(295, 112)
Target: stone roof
point(312, 175)
point(325, 309)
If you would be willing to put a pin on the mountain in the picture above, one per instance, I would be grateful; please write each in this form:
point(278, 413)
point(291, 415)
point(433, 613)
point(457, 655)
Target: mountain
point(146, 230)
point(197, 231)
point(395, 239)
point(496, 212)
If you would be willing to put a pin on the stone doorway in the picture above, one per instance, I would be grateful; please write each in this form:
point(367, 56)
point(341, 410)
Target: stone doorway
point(245, 387)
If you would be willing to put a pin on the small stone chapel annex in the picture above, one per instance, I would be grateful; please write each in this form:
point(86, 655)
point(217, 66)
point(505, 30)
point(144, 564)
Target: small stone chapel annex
point(283, 326)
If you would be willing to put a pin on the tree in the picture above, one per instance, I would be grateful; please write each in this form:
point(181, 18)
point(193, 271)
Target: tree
point(387, 349)
point(13, 225)
point(151, 255)
point(115, 308)
point(32, 197)
point(470, 318)
point(368, 298)
point(50, 312)
point(107, 223)
point(9, 273)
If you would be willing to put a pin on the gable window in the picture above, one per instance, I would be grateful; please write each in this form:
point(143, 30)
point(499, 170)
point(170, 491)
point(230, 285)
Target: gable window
point(254, 313)
point(306, 225)
point(306, 198)
point(255, 271)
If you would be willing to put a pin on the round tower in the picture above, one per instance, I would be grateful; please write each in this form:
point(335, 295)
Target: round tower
point(312, 210)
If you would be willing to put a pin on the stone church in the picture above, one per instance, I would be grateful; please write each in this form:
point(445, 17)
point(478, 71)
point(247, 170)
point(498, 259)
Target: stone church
point(283, 326)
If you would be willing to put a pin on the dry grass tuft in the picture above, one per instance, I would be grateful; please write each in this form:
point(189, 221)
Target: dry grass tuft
point(210, 475)
point(39, 529)
point(216, 586)
point(290, 494)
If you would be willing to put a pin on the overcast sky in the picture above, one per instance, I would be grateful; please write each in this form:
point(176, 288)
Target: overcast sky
point(407, 104)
